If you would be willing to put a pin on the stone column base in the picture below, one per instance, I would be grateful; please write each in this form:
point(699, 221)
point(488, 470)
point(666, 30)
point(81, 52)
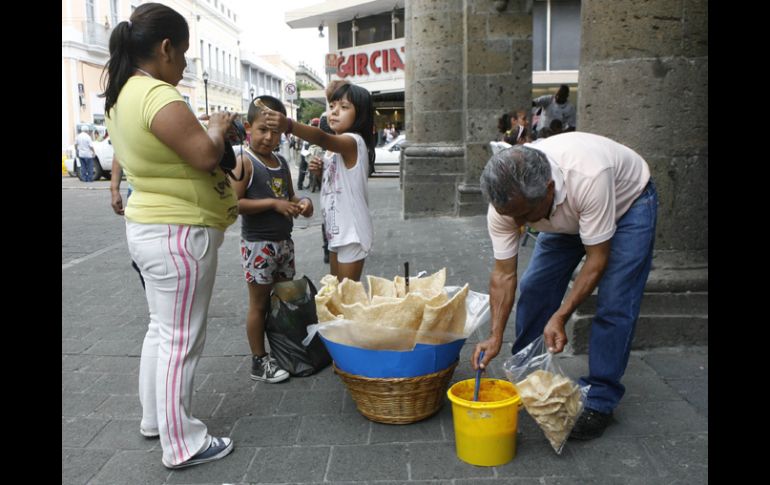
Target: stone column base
point(674, 307)
point(430, 175)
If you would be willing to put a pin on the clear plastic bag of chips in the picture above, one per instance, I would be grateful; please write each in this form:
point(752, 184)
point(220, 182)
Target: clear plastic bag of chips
point(552, 399)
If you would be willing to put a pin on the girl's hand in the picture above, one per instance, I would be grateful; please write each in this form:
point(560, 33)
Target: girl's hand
point(306, 207)
point(316, 166)
point(286, 208)
point(274, 120)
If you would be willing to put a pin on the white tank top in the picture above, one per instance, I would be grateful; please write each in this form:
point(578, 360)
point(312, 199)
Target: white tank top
point(345, 199)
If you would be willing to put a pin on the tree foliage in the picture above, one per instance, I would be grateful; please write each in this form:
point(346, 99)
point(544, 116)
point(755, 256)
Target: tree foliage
point(307, 109)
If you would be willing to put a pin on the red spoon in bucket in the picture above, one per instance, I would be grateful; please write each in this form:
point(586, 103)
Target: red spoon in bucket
point(478, 378)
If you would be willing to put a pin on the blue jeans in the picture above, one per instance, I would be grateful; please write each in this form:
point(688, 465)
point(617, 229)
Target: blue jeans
point(86, 169)
point(621, 287)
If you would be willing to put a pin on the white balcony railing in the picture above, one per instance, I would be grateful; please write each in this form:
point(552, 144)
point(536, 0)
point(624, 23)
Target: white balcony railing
point(96, 34)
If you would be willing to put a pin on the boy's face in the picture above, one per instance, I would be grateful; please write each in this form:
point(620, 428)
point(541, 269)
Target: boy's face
point(342, 115)
point(263, 139)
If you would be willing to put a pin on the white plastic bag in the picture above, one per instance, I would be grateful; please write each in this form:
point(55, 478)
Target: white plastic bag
point(552, 399)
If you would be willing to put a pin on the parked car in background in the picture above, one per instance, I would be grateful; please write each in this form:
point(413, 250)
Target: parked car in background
point(386, 161)
point(102, 165)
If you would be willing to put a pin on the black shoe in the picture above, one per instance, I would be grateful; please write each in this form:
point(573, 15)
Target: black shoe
point(590, 425)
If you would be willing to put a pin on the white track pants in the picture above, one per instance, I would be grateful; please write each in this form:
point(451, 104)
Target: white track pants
point(179, 265)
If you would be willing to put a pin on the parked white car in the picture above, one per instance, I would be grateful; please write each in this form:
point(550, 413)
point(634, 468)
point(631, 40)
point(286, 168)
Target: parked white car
point(102, 165)
point(388, 156)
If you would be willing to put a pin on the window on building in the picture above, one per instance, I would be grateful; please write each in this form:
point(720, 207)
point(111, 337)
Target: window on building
point(208, 59)
point(565, 34)
point(539, 35)
point(114, 12)
point(90, 10)
point(202, 57)
point(555, 35)
point(344, 35)
point(375, 28)
point(400, 25)
point(216, 58)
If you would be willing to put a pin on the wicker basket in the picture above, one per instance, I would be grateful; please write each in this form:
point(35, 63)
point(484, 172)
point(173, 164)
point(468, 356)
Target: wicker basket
point(398, 400)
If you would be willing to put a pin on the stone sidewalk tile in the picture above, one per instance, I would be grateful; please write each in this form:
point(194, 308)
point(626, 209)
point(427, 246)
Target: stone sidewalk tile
point(308, 430)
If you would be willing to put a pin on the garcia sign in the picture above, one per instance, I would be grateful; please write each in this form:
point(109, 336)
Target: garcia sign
point(379, 62)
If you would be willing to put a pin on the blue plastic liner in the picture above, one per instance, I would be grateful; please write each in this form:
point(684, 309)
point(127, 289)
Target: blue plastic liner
point(423, 359)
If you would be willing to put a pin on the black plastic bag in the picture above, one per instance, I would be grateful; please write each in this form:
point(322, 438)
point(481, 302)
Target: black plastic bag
point(292, 309)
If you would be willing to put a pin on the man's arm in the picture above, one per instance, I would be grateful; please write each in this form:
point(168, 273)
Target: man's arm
point(587, 279)
point(502, 292)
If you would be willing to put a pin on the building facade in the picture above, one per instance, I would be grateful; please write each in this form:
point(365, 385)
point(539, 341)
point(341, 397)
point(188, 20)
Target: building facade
point(367, 46)
point(260, 78)
point(86, 29)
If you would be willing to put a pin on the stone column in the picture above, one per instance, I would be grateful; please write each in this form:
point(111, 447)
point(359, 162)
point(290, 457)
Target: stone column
point(467, 65)
point(644, 83)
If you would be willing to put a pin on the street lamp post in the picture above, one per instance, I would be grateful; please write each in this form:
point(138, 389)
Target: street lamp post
point(206, 90)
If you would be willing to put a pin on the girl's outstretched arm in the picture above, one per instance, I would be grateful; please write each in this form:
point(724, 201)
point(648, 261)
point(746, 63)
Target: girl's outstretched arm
point(344, 145)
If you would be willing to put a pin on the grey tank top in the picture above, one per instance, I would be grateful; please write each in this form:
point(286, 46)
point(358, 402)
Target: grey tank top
point(267, 183)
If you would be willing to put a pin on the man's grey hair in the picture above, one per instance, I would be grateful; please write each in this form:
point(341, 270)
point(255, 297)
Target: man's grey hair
point(519, 170)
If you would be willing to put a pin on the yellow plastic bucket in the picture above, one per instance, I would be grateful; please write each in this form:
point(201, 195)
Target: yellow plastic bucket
point(485, 430)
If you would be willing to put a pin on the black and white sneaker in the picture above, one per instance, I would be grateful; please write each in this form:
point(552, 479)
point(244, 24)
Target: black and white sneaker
point(219, 448)
point(266, 369)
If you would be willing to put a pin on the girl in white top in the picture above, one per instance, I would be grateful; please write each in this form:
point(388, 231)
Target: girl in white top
point(344, 194)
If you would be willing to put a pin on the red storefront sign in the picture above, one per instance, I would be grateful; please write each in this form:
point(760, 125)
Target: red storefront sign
point(382, 60)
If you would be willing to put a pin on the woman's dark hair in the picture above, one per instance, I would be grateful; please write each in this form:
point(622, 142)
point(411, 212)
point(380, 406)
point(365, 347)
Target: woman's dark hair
point(269, 101)
point(364, 122)
point(134, 40)
point(504, 123)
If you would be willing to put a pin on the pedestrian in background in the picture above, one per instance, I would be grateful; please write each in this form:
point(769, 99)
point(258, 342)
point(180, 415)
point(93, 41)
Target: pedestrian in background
point(181, 205)
point(86, 154)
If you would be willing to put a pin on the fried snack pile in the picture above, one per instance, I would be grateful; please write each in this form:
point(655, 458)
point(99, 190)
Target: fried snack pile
point(553, 401)
point(387, 317)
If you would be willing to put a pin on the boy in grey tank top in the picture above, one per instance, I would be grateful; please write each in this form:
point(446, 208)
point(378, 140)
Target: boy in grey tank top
point(267, 204)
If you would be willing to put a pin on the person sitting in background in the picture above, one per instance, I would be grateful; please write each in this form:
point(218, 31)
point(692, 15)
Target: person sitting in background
point(556, 107)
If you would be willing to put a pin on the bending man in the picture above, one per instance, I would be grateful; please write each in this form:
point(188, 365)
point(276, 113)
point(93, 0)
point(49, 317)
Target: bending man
point(587, 195)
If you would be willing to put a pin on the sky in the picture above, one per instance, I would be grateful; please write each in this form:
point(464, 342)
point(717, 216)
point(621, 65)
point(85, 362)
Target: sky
point(265, 31)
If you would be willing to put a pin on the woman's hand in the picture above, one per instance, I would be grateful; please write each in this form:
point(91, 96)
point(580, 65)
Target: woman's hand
point(117, 202)
point(220, 121)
